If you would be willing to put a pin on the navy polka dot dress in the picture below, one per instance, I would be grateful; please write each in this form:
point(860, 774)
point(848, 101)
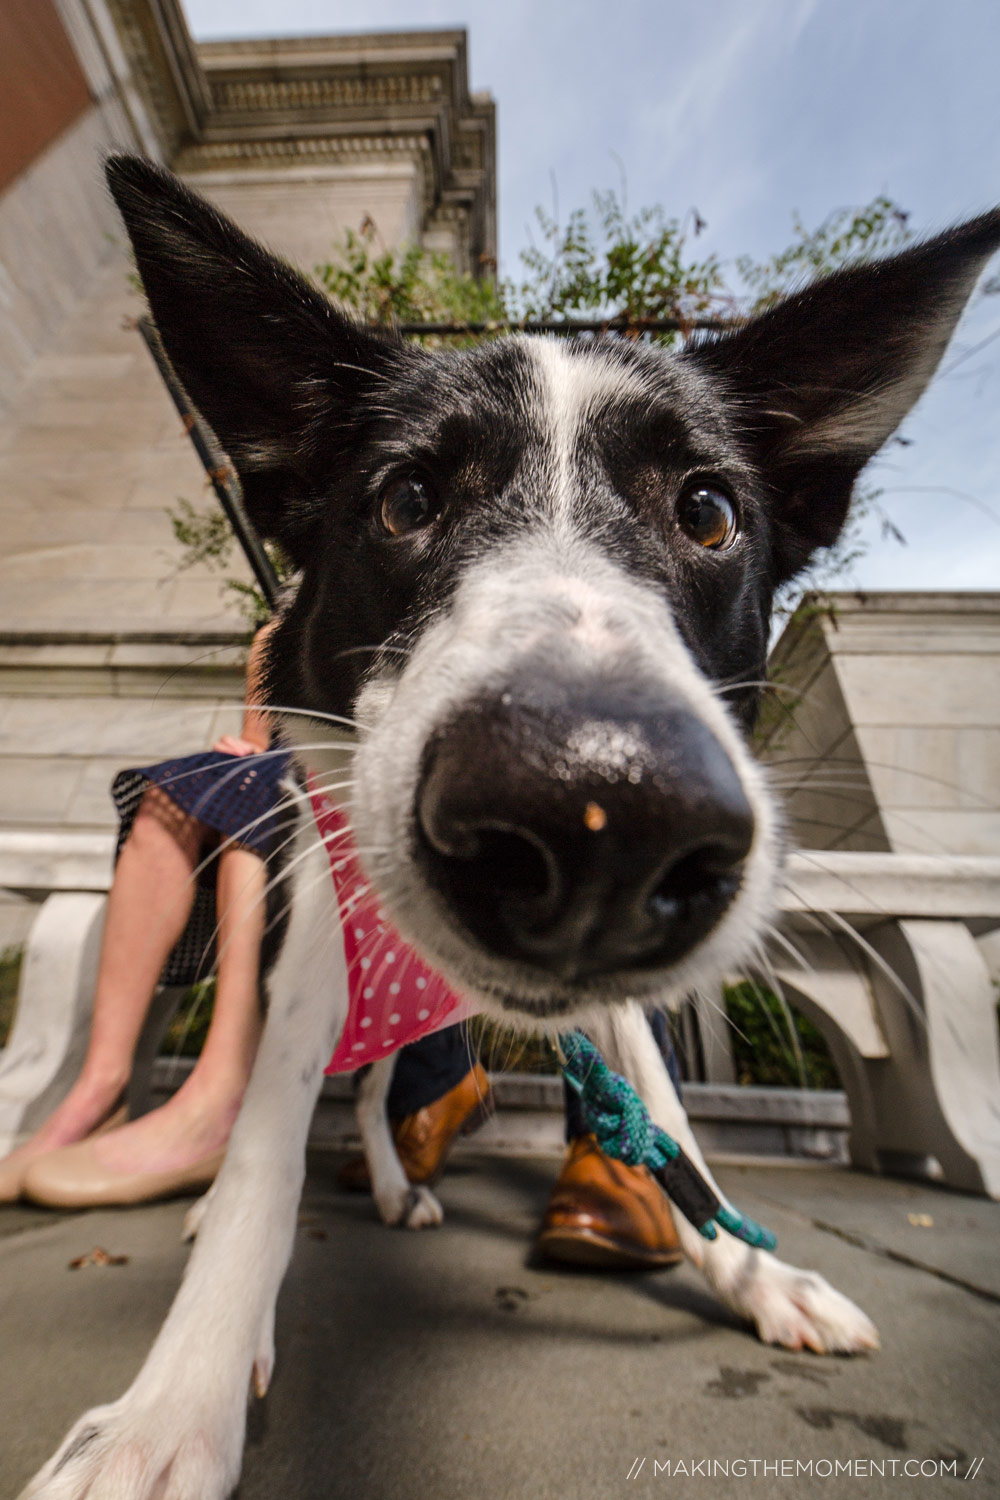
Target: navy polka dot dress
point(240, 799)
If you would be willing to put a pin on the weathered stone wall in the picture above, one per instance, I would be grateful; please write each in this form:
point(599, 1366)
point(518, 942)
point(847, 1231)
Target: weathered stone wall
point(56, 231)
point(303, 214)
point(92, 454)
point(885, 728)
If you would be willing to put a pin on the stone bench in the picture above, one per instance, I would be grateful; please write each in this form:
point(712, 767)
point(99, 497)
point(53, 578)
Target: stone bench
point(69, 874)
point(879, 950)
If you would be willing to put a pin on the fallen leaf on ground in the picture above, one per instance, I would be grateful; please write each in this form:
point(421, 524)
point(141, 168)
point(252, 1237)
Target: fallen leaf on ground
point(98, 1257)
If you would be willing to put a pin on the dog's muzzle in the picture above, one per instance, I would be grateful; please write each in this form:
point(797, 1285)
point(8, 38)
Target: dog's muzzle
point(582, 837)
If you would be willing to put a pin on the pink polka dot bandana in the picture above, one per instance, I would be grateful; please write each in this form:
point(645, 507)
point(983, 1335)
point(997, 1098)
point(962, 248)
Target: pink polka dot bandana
point(394, 998)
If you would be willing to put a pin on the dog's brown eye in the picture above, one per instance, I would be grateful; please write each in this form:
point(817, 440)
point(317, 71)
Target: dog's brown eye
point(707, 516)
point(407, 505)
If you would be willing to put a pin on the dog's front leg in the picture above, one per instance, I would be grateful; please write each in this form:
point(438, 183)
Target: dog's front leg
point(797, 1309)
point(397, 1199)
point(177, 1433)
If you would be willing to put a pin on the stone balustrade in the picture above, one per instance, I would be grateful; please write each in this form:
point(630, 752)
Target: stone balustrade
point(878, 949)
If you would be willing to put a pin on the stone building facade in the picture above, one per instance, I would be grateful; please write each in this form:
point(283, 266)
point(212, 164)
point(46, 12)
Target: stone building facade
point(299, 140)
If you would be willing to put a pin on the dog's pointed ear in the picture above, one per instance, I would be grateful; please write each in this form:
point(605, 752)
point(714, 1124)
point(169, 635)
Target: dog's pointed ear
point(278, 374)
point(824, 378)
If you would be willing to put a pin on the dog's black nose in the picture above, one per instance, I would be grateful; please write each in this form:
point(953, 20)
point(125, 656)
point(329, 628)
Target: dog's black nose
point(578, 837)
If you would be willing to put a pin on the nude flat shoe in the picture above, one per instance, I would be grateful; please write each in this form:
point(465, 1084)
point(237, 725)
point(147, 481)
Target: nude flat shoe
point(74, 1178)
point(14, 1170)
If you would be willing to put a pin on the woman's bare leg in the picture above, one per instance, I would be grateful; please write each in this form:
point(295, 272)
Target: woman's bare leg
point(197, 1120)
point(148, 906)
point(231, 1045)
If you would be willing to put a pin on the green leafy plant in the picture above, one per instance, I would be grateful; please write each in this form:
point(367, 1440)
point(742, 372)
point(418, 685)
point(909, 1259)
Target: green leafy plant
point(10, 977)
point(774, 1044)
point(846, 235)
point(206, 539)
point(412, 285)
point(206, 536)
point(185, 1036)
point(605, 264)
point(619, 266)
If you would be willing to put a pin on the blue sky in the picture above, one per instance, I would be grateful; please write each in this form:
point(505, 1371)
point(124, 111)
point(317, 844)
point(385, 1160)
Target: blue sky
point(752, 110)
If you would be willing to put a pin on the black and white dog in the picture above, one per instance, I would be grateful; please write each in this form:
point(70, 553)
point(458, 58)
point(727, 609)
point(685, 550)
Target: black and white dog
point(538, 577)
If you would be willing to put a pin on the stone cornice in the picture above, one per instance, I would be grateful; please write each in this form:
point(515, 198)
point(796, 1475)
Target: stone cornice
point(264, 156)
point(165, 70)
point(274, 103)
point(393, 86)
point(841, 621)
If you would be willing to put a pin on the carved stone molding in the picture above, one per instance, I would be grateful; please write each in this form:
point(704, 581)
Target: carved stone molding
point(161, 56)
point(275, 156)
point(274, 96)
point(213, 154)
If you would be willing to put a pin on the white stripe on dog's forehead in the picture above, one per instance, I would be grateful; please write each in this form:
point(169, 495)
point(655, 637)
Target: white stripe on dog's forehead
point(574, 388)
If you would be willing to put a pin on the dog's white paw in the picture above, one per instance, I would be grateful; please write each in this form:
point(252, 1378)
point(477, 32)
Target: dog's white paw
point(410, 1207)
point(144, 1451)
point(423, 1210)
point(800, 1310)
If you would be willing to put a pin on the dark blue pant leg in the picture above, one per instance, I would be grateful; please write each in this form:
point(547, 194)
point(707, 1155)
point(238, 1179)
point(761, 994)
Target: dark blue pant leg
point(428, 1069)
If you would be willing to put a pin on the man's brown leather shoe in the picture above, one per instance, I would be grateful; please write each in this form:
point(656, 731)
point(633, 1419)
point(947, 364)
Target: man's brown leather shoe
point(424, 1139)
point(607, 1215)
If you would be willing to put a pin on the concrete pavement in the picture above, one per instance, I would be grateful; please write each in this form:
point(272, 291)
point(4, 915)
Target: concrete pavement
point(441, 1365)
